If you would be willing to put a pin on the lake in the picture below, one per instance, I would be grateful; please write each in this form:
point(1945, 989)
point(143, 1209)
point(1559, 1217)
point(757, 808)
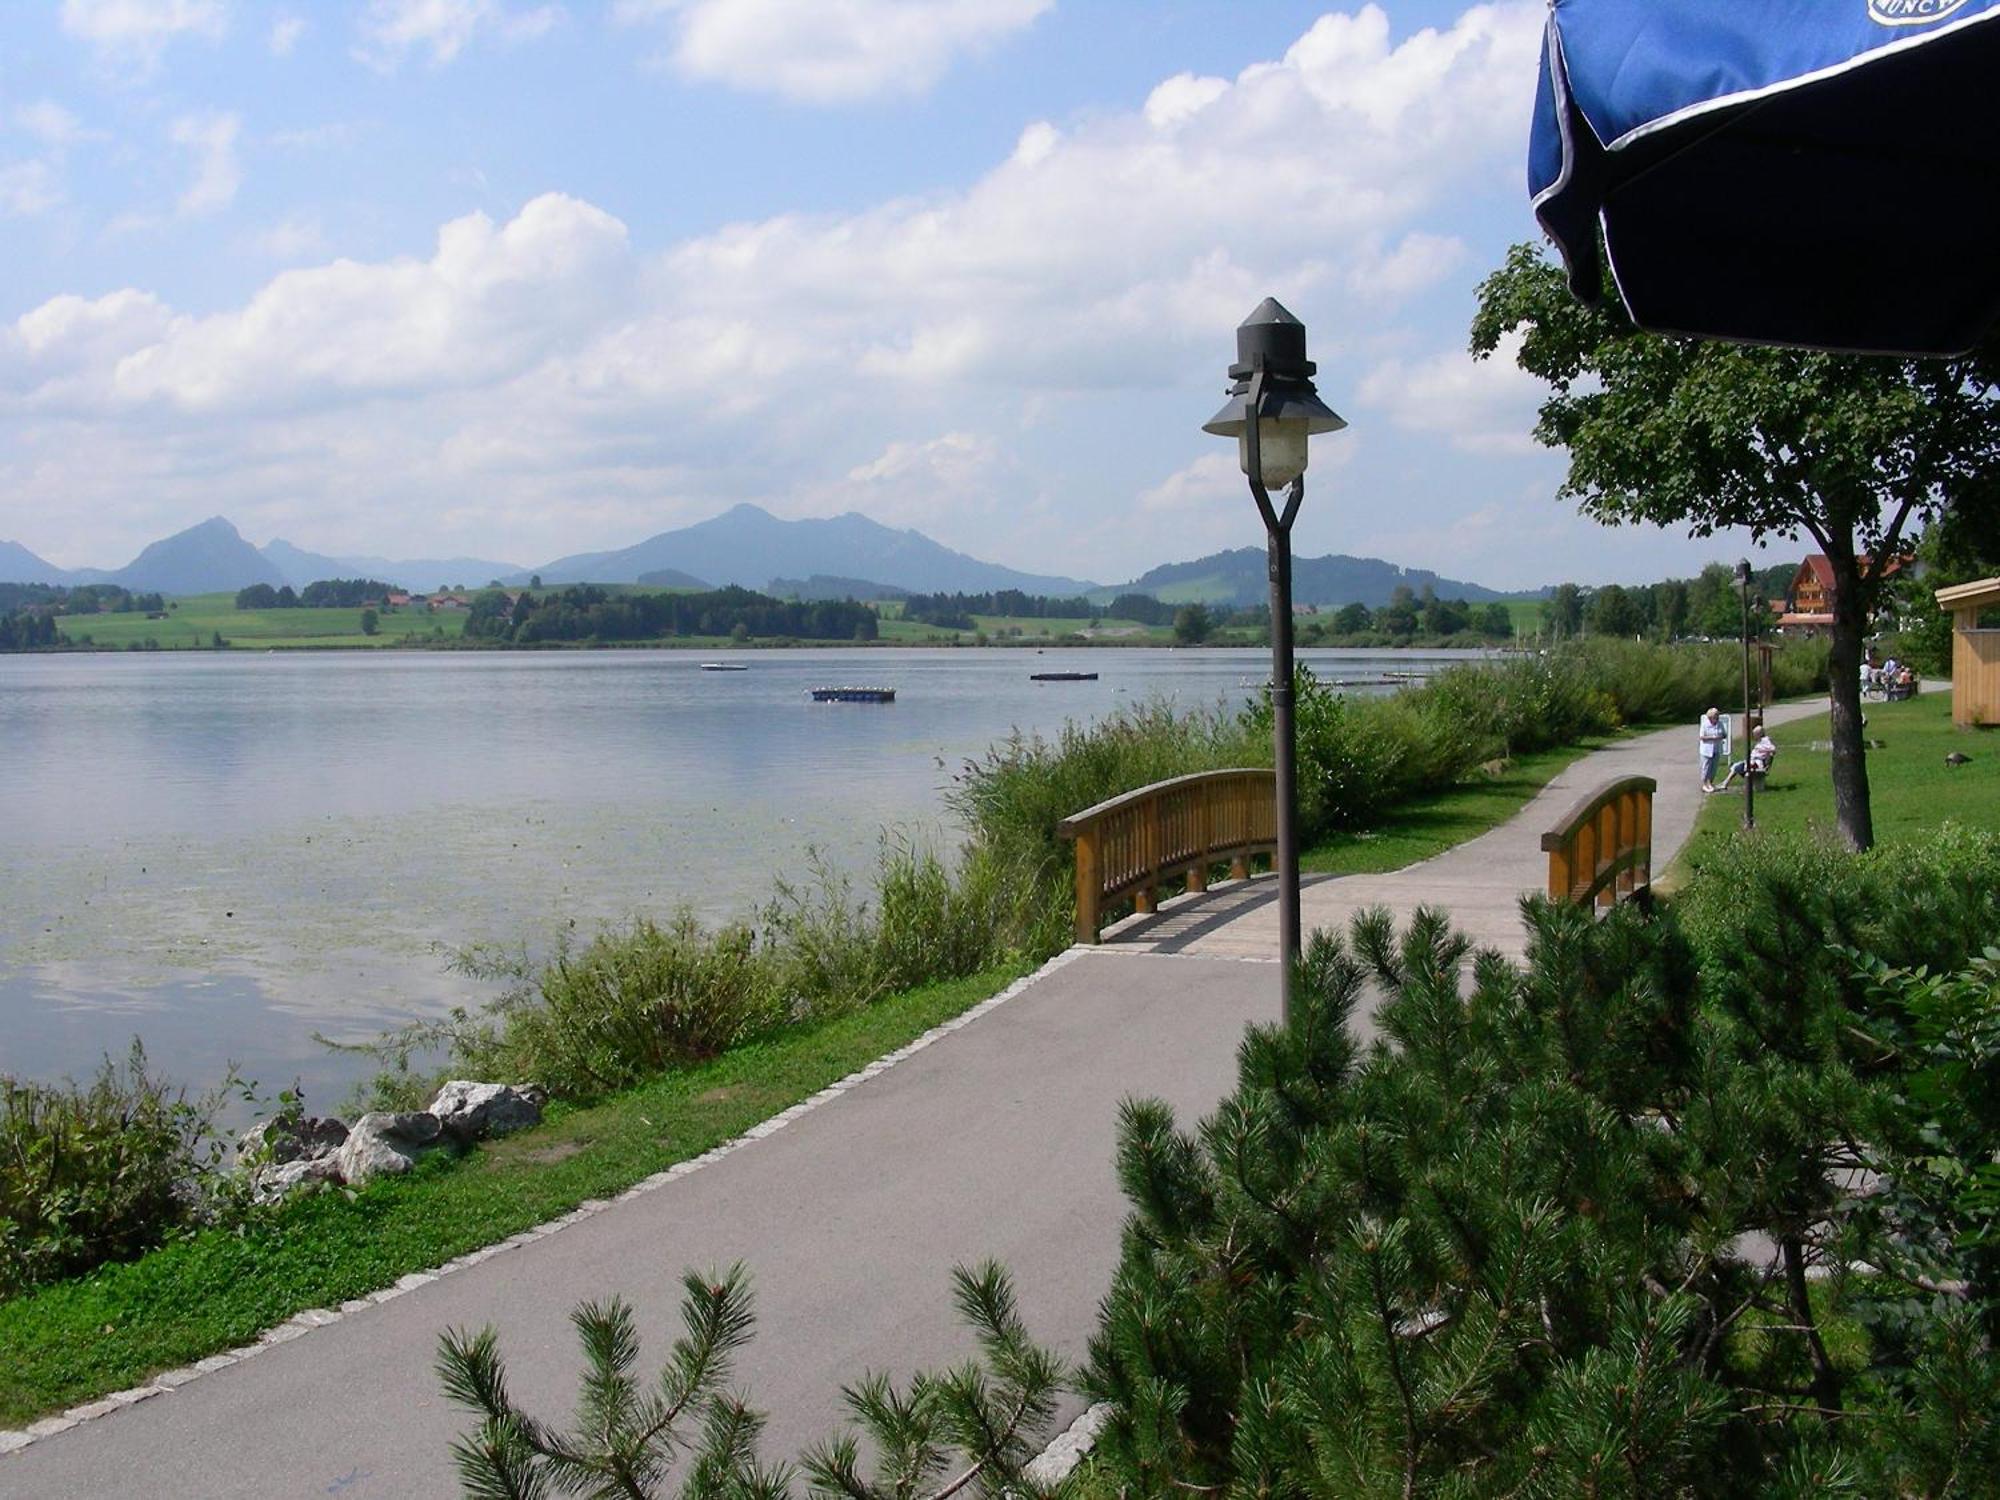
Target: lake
point(224, 853)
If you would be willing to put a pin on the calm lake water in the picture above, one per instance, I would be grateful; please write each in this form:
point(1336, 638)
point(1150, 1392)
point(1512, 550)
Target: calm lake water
point(226, 853)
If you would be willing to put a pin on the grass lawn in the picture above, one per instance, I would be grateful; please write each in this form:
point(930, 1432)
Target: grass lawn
point(1526, 615)
point(76, 1340)
point(1430, 825)
point(196, 619)
point(1910, 788)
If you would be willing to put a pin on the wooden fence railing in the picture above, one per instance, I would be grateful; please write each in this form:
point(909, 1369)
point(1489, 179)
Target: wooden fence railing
point(1132, 844)
point(1603, 847)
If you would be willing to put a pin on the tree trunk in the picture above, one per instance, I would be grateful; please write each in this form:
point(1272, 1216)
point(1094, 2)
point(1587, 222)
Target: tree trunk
point(1851, 813)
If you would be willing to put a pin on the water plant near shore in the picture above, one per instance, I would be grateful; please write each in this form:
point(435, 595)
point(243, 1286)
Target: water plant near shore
point(99, 1171)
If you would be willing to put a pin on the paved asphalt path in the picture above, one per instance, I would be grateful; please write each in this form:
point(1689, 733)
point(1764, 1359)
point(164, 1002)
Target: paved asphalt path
point(1479, 882)
point(994, 1141)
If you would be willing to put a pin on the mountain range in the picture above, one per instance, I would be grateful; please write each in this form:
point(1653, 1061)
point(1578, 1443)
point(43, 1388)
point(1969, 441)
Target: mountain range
point(745, 545)
point(749, 546)
point(1242, 577)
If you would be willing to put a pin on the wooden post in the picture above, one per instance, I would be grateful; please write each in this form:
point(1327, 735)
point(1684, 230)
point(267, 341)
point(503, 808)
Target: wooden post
point(1964, 669)
point(1087, 884)
point(1628, 839)
point(1607, 825)
point(1560, 878)
point(1643, 837)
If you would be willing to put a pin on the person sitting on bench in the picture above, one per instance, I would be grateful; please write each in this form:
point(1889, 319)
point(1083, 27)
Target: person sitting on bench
point(1761, 755)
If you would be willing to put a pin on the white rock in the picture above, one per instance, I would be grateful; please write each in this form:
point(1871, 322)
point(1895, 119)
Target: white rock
point(472, 1111)
point(384, 1143)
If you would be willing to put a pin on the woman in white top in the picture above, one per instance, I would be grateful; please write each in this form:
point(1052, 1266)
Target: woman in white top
point(1714, 746)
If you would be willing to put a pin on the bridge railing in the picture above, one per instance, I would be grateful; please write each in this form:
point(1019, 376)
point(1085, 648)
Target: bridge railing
point(1602, 849)
point(1131, 845)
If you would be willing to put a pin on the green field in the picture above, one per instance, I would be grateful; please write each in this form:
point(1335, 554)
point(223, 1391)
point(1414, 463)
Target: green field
point(1006, 629)
point(193, 622)
point(1911, 789)
point(1526, 614)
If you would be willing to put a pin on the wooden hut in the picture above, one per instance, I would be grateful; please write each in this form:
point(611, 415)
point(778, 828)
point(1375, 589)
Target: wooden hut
point(1975, 653)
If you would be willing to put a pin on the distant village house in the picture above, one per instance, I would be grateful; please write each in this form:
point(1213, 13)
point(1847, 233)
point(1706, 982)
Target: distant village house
point(1808, 607)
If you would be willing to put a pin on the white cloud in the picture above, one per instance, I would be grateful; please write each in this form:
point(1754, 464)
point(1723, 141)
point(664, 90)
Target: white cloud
point(1479, 406)
point(1415, 263)
point(52, 125)
point(28, 189)
point(286, 32)
point(489, 303)
point(542, 366)
point(1181, 98)
point(912, 483)
point(211, 140)
point(1211, 480)
point(392, 29)
point(830, 51)
point(136, 31)
point(296, 238)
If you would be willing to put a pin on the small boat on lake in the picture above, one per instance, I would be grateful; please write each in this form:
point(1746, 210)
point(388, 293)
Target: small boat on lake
point(853, 695)
point(1062, 677)
point(723, 666)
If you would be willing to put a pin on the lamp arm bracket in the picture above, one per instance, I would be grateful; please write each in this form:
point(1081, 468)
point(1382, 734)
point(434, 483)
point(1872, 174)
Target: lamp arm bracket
point(1253, 441)
point(1293, 495)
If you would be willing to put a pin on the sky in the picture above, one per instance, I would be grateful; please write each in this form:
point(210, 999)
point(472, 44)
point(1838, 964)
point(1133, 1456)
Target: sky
point(513, 279)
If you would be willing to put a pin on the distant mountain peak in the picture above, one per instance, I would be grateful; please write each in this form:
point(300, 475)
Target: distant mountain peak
point(748, 546)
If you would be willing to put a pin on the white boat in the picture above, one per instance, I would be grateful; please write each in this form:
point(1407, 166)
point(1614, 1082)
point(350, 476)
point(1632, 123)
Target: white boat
point(723, 666)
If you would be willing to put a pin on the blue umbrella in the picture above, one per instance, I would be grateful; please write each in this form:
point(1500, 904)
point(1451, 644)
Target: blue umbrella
point(1810, 172)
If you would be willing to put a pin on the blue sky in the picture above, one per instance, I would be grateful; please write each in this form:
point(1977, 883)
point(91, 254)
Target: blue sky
point(518, 279)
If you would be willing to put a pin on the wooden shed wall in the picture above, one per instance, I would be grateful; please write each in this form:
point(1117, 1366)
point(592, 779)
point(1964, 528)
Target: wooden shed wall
point(1975, 672)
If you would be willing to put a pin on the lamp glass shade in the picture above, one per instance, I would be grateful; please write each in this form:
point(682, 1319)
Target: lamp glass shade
point(1281, 443)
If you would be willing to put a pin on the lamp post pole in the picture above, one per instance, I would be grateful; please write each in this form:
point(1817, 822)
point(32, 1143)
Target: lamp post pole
point(1272, 410)
point(1284, 731)
point(1749, 780)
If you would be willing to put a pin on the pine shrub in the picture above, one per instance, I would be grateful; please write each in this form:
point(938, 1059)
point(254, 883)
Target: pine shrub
point(966, 1431)
point(1562, 1228)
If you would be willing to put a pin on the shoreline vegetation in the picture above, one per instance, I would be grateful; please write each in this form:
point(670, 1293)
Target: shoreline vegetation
point(647, 1010)
point(342, 614)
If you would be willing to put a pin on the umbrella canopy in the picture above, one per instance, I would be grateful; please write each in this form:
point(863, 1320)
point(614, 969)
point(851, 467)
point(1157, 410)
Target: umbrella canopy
point(1809, 172)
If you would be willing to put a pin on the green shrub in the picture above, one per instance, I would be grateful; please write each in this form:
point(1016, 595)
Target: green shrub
point(634, 1002)
point(96, 1173)
point(1011, 800)
point(651, 997)
point(1501, 1250)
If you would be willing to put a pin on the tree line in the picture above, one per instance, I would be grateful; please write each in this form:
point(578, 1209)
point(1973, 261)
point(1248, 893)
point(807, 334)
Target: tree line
point(586, 612)
point(1709, 604)
point(326, 593)
point(79, 599)
point(28, 611)
point(955, 611)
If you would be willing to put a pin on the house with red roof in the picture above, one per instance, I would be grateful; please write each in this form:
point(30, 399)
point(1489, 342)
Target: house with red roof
point(1809, 601)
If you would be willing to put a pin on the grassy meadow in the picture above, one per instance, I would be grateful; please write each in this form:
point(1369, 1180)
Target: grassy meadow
point(193, 622)
point(1911, 788)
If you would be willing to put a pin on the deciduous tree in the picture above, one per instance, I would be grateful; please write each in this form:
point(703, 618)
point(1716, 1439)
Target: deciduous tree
point(1853, 451)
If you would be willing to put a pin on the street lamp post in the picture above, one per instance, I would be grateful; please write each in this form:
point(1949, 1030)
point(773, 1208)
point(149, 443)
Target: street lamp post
point(1271, 411)
point(1749, 781)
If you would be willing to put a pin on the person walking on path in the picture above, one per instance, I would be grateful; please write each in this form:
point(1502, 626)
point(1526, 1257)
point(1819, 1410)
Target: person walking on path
point(1714, 747)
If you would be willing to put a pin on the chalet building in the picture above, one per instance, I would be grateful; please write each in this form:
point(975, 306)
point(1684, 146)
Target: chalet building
point(1809, 601)
point(398, 600)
